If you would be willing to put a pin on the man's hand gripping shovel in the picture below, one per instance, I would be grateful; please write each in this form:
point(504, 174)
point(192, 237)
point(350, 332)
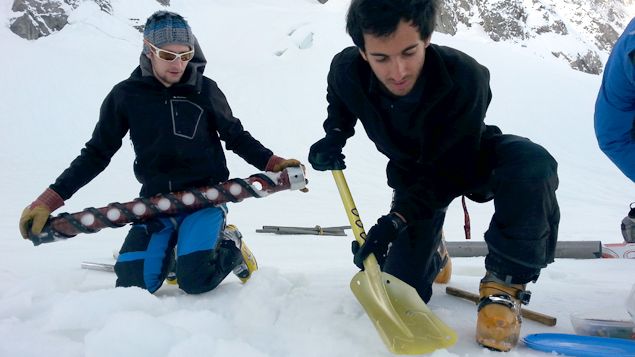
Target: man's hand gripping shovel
point(403, 320)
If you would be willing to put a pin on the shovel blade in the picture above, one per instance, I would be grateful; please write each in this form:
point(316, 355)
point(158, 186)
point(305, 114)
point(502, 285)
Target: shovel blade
point(403, 320)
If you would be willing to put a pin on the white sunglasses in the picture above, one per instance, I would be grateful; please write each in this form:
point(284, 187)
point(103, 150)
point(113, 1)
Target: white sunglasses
point(170, 56)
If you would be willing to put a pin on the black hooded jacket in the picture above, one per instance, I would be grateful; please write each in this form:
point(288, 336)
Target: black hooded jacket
point(453, 144)
point(176, 133)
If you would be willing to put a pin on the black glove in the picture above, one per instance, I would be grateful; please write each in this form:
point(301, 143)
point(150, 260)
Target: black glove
point(326, 154)
point(387, 229)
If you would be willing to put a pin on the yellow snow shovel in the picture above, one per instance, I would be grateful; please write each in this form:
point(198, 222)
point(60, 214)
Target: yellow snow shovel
point(403, 320)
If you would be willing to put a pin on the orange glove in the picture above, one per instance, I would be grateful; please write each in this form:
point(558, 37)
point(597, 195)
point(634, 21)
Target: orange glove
point(35, 215)
point(277, 164)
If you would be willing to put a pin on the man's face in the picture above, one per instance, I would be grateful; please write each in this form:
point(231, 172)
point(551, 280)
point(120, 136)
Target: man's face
point(396, 59)
point(168, 72)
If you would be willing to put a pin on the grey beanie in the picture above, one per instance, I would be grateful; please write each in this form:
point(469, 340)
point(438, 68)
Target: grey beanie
point(164, 27)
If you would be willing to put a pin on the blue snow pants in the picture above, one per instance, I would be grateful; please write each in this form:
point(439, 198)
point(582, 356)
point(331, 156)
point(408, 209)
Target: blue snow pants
point(203, 259)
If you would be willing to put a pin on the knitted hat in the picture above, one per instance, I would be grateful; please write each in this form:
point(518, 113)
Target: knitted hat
point(164, 27)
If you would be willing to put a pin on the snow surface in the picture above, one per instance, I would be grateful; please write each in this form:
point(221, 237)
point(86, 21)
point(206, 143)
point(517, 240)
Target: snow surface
point(299, 302)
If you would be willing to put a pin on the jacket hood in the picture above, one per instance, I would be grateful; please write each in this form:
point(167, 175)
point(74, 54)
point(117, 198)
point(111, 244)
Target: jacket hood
point(193, 72)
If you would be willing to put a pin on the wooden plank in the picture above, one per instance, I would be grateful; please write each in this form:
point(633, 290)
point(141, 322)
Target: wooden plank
point(526, 313)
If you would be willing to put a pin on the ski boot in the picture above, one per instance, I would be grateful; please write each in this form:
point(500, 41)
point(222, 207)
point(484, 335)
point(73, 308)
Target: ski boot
point(248, 264)
point(499, 320)
point(444, 275)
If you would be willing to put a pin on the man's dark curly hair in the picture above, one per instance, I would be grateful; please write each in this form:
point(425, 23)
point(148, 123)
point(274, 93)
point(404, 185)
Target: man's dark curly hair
point(381, 17)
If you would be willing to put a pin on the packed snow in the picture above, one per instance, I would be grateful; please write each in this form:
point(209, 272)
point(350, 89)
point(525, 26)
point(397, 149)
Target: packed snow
point(270, 57)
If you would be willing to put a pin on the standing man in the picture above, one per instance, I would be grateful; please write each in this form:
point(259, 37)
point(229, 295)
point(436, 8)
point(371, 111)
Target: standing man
point(176, 118)
point(615, 105)
point(423, 106)
point(615, 114)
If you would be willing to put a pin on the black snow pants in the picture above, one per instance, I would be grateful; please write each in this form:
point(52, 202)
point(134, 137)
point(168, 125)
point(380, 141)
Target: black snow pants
point(523, 231)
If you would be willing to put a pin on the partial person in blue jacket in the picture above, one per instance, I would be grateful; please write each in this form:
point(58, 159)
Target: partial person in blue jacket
point(615, 105)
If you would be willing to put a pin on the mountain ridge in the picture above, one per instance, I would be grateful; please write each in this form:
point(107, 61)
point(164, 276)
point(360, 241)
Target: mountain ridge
point(580, 32)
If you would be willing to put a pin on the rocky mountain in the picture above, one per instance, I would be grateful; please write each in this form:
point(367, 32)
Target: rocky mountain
point(33, 19)
point(581, 32)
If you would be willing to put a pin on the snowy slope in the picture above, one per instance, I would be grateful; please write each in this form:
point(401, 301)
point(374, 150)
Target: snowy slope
point(299, 302)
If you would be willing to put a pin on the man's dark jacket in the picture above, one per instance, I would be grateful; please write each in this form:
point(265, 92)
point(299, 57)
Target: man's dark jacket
point(454, 145)
point(176, 133)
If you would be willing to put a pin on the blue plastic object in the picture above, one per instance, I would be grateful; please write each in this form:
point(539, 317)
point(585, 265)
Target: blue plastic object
point(580, 346)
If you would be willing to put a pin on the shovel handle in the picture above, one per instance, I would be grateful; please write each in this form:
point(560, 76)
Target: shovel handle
point(353, 217)
point(349, 206)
